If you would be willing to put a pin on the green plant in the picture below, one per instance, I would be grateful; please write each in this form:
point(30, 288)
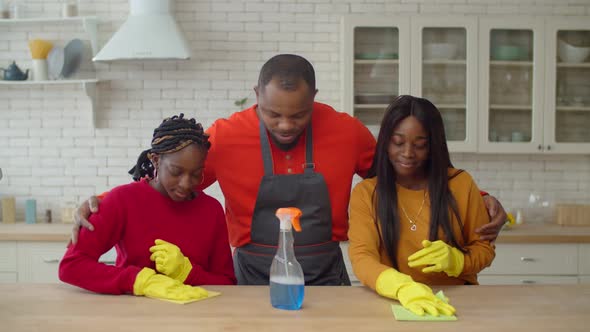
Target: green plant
point(241, 102)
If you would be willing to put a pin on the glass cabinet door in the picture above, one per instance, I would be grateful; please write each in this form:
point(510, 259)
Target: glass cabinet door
point(567, 122)
point(511, 63)
point(373, 67)
point(444, 72)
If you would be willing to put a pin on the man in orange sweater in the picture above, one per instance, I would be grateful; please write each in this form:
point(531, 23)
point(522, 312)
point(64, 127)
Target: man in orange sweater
point(288, 150)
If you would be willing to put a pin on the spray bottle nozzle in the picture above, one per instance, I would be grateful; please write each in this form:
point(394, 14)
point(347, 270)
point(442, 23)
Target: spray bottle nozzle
point(290, 215)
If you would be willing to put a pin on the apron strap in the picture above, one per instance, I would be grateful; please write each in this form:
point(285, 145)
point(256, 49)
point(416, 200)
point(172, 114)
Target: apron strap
point(267, 155)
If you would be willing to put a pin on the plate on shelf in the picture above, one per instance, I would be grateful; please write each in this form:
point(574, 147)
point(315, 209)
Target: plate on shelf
point(376, 56)
point(73, 53)
point(55, 62)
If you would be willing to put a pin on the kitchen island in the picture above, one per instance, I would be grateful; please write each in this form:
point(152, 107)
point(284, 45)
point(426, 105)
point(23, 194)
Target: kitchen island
point(60, 307)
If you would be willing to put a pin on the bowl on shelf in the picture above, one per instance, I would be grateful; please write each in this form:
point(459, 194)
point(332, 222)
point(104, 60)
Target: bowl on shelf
point(439, 51)
point(571, 53)
point(373, 98)
point(376, 56)
point(508, 52)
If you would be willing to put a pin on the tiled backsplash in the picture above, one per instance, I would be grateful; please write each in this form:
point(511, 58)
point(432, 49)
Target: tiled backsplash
point(47, 151)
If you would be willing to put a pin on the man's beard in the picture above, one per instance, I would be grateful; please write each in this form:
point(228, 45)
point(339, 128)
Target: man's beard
point(285, 147)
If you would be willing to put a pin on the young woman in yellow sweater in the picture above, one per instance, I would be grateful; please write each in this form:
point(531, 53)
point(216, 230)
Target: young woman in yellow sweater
point(413, 220)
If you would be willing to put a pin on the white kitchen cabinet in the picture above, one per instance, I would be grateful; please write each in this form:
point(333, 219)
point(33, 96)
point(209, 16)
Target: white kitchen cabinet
point(526, 280)
point(511, 84)
point(567, 86)
point(384, 57)
point(444, 70)
point(8, 262)
point(584, 263)
point(36, 261)
point(531, 101)
point(353, 279)
point(375, 65)
point(532, 263)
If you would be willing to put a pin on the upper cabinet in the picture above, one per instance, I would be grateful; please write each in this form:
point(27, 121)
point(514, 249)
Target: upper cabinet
point(444, 71)
point(376, 65)
point(567, 86)
point(502, 85)
point(511, 84)
point(423, 56)
point(535, 85)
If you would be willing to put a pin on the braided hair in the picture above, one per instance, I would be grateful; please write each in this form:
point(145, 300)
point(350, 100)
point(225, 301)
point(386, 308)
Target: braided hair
point(173, 134)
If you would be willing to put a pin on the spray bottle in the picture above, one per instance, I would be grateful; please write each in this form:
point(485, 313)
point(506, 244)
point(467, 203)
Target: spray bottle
point(286, 275)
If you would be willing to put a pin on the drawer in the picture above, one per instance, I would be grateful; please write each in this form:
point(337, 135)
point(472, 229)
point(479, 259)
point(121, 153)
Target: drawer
point(584, 279)
point(8, 256)
point(7, 277)
point(584, 259)
point(526, 280)
point(542, 259)
point(344, 247)
point(38, 262)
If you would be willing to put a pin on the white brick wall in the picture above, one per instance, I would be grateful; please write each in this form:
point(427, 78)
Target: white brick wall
point(48, 153)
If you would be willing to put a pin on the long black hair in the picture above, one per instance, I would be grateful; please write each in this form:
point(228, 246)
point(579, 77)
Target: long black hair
point(173, 134)
point(442, 202)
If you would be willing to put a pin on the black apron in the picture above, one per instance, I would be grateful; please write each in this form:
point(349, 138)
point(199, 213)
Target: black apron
point(319, 256)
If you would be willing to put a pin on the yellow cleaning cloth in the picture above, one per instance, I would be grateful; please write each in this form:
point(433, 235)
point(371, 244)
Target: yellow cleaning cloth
point(210, 294)
point(402, 313)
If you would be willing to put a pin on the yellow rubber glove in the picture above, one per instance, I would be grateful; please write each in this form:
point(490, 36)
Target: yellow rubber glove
point(170, 260)
point(439, 257)
point(414, 296)
point(151, 284)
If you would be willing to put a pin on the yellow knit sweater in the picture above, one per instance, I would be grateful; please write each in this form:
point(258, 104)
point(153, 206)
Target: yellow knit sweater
point(368, 255)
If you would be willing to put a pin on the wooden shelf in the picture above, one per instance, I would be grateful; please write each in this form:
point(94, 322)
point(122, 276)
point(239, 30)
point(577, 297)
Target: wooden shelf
point(511, 63)
point(88, 22)
point(445, 62)
point(368, 106)
point(377, 62)
point(511, 107)
point(89, 86)
point(581, 108)
point(573, 65)
point(446, 106)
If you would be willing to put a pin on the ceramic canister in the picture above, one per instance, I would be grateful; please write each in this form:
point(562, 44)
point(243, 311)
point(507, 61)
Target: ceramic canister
point(40, 72)
point(8, 210)
point(30, 211)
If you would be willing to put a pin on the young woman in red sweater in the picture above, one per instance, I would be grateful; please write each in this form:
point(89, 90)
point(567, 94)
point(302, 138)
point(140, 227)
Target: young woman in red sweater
point(168, 236)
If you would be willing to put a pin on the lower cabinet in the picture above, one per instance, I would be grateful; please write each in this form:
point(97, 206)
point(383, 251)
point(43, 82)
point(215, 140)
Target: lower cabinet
point(35, 261)
point(525, 280)
point(534, 264)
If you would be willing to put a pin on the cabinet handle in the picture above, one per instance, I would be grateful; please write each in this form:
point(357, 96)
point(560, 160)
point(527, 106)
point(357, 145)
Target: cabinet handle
point(526, 281)
point(51, 260)
point(527, 259)
point(548, 147)
point(540, 147)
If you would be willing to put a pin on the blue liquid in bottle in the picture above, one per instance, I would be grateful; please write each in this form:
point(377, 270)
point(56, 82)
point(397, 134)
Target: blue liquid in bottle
point(286, 294)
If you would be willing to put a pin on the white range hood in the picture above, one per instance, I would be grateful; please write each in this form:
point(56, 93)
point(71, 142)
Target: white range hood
point(150, 32)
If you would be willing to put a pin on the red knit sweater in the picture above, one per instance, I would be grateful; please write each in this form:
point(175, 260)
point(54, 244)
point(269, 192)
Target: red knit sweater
point(130, 218)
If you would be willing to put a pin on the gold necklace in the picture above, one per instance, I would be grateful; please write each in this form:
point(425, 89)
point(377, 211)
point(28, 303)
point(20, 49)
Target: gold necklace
point(412, 222)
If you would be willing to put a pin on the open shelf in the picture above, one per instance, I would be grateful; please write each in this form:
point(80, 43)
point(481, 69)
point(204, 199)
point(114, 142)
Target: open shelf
point(89, 86)
point(88, 22)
